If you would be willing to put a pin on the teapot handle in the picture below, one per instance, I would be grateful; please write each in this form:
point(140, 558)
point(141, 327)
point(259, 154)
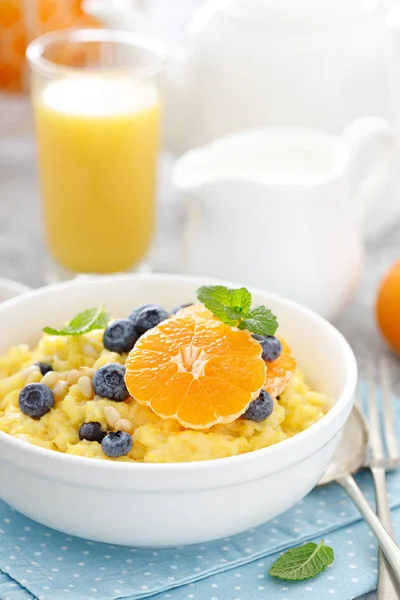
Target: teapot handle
point(374, 149)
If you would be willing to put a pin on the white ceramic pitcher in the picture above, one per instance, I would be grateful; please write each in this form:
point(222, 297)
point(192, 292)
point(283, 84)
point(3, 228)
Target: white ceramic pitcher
point(282, 208)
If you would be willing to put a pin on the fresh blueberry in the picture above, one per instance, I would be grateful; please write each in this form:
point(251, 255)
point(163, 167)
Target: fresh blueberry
point(120, 336)
point(35, 400)
point(44, 367)
point(260, 409)
point(92, 432)
point(137, 310)
point(271, 346)
point(178, 308)
point(148, 317)
point(116, 443)
point(108, 382)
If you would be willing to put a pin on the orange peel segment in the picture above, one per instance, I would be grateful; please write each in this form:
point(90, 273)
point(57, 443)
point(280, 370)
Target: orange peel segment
point(198, 371)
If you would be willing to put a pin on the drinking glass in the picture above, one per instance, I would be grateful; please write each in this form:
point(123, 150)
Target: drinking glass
point(97, 106)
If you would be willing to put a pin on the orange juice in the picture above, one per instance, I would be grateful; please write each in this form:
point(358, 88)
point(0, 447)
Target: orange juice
point(98, 144)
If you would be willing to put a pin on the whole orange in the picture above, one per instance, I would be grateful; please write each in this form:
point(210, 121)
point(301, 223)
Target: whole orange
point(388, 307)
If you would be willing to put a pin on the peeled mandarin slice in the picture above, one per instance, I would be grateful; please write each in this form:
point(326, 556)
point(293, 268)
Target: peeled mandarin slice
point(195, 370)
point(280, 371)
point(196, 310)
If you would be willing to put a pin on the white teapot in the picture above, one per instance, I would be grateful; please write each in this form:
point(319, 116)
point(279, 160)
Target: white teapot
point(256, 63)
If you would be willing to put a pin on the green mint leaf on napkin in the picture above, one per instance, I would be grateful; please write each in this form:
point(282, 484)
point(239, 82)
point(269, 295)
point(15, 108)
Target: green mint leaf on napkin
point(88, 320)
point(232, 307)
point(260, 320)
point(303, 562)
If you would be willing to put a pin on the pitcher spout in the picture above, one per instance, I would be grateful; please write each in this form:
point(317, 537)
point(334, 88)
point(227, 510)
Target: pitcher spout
point(193, 171)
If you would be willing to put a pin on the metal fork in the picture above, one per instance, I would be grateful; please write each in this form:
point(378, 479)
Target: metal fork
point(381, 461)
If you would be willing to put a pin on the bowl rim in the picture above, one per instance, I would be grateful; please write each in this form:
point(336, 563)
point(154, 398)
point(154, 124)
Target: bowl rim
point(216, 463)
point(17, 288)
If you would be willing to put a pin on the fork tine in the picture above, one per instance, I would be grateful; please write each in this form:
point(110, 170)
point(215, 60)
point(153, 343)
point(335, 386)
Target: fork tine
point(373, 416)
point(388, 417)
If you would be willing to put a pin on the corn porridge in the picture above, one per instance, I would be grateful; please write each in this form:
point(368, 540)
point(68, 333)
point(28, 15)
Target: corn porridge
point(68, 393)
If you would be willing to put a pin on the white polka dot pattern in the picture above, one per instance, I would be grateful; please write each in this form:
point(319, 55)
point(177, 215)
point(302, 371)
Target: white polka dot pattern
point(148, 572)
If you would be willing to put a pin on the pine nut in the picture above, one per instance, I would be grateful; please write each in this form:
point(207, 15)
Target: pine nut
point(26, 373)
point(124, 425)
point(111, 415)
point(85, 386)
point(34, 377)
point(73, 377)
point(50, 379)
point(86, 371)
point(90, 351)
point(60, 389)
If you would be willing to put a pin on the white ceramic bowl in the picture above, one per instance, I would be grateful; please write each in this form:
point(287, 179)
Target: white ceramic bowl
point(10, 289)
point(170, 504)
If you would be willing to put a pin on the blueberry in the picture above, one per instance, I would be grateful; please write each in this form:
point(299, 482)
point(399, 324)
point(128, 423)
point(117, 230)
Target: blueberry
point(108, 382)
point(120, 336)
point(117, 443)
point(148, 317)
point(271, 346)
point(260, 409)
point(137, 310)
point(35, 400)
point(178, 308)
point(44, 367)
point(92, 432)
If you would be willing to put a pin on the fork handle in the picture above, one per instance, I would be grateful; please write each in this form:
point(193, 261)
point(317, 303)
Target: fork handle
point(386, 542)
point(388, 588)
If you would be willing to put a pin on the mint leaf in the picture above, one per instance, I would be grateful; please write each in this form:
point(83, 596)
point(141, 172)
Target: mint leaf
point(217, 299)
point(215, 293)
point(240, 299)
point(303, 562)
point(88, 320)
point(233, 308)
point(260, 320)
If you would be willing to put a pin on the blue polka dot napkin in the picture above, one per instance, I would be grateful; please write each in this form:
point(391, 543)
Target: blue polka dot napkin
point(37, 563)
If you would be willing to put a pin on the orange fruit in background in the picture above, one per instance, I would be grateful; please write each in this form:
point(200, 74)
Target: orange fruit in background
point(197, 371)
point(23, 20)
point(279, 371)
point(388, 307)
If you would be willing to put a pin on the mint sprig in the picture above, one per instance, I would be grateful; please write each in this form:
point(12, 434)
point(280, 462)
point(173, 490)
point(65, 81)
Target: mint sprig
point(303, 562)
point(88, 320)
point(233, 308)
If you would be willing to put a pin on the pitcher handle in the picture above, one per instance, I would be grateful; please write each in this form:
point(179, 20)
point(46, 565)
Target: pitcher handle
point(374, 148)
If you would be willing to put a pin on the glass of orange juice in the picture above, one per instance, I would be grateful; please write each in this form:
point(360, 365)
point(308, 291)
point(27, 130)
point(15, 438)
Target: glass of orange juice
point(96, 100)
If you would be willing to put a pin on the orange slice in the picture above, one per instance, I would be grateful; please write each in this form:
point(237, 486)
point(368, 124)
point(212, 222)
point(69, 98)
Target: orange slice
point(196, 310)
point(195, 370)
point(279, 371)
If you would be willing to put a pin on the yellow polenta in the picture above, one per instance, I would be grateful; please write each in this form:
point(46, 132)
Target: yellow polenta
point(154, 439)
